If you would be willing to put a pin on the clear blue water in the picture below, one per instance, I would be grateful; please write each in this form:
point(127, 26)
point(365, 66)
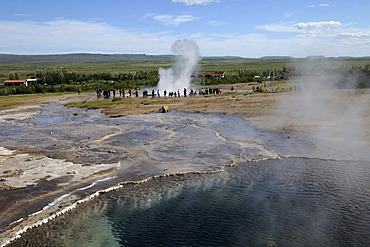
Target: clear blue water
point(284, 202)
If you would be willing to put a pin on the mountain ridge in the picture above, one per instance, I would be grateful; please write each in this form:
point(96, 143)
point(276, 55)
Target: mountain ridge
point(101, 57)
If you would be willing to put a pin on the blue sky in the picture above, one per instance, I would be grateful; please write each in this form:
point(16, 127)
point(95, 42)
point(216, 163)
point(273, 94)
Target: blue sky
point(247, 28)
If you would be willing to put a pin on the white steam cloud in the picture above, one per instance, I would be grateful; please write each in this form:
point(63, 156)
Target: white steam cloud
point(334, 117)
point(178, 76)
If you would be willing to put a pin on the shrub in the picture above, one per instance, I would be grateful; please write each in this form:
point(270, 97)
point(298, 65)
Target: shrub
point(116, 99)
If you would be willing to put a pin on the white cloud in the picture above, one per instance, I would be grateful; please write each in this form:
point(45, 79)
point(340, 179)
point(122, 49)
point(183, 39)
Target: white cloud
point(196, 2)
point(318, 25)
point(360, 34)
point(215, 23)
point(22, 15)
point(321, 5)
point(256, 45)
point(308, 28)
point(170, 20)
point(278, 28)
point(67, 36)
point(320, 28)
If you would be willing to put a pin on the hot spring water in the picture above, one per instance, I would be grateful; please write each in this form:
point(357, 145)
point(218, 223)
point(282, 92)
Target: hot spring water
point(283, 202)
point(235, 185)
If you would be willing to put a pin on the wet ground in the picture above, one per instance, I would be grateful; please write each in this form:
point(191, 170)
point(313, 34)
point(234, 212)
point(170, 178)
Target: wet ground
point(103, 152)
point(61, 149)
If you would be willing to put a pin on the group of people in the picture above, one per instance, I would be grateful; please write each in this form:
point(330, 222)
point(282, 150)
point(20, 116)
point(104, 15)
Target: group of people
point(112, 93)
point(135, 93)
point(205, 91)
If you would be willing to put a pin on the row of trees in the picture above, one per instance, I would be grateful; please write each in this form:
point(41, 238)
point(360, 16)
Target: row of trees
point(356, 76)
point(40, 89)
point(62, 76)
point(59, 79)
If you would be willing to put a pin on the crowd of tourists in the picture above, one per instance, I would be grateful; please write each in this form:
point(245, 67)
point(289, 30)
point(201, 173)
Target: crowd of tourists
point(155, 93)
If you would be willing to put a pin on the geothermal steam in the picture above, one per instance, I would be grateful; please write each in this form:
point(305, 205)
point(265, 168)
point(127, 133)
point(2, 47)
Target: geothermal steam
point(178, 76)
point(334, 117)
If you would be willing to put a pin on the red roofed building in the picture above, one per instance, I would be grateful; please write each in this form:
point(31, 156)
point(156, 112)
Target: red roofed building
point(15, 83)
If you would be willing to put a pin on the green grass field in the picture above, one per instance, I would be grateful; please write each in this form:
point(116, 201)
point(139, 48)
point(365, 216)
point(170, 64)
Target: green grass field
point(88, 68)
point(205, 65)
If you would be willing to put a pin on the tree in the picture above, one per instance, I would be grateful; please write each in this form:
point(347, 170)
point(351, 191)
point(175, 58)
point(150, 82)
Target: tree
point(13, 76)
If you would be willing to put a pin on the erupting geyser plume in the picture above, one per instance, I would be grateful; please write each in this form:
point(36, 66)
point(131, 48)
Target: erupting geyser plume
point(178, 76)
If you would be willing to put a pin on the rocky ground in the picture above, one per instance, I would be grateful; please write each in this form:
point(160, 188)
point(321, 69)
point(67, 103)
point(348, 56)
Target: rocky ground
point(340, 117)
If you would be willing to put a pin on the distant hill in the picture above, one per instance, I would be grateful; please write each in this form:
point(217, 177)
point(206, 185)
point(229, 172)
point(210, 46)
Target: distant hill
point(79, 58)
point(92, 58)
point(223, 58)
point(277, 58)
point(102, 58)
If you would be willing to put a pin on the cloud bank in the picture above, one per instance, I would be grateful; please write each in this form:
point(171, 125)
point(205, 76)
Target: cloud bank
point(328, 38)
point(317, 25)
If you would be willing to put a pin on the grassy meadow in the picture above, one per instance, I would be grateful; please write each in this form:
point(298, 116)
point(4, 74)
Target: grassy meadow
point(117, 67)
point(12, 101)
point(206, 64)
point(228, 64)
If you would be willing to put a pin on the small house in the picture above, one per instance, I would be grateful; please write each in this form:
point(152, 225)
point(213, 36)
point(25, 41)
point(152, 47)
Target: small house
point(30, 82)
point(15, 83)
